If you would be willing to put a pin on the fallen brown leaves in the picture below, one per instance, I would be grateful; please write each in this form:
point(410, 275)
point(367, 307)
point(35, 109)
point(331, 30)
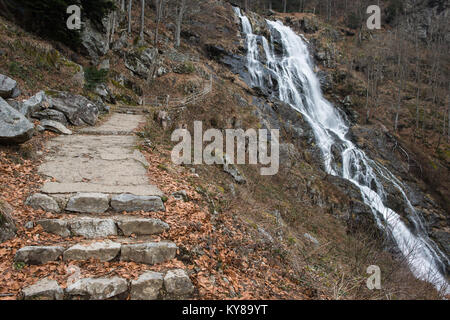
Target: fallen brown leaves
point(221, 257)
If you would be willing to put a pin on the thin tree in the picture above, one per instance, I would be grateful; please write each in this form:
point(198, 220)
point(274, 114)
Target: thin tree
point(130, 2)
point(142, 19)
point(159, 5)
point(179, 13)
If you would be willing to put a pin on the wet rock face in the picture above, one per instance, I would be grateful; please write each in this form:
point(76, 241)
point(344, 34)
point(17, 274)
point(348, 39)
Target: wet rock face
point(14, 127)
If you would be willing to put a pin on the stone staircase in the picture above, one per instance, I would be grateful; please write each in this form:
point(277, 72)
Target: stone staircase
point(94, 176)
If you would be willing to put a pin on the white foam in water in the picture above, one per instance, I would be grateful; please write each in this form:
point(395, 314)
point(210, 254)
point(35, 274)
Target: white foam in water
point(299, 86)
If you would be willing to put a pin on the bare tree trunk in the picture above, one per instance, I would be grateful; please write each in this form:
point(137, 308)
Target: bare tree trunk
point(448, 116)
point(179, 19)
point(367, 95)
point(159, 12)
point(284, 6)
point(122, 5)
point(130, 3)
point(142, 19)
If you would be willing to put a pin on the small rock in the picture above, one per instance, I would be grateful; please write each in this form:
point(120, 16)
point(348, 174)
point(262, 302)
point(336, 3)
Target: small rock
point(181, 195)
point(147, 286)
point(268, 238)
point(130, 203)
point(88, 203)
point(29, 225)
point(103, 251)
point(149, 253)
point(162, 117)
point(38, 254)
point(42, 201)
point(104, 65)
point(97, 289)
point(50, 114)
point(44, 289)
point(311, 238)
point(55, 127)
point(178, 283)
point(141, 226)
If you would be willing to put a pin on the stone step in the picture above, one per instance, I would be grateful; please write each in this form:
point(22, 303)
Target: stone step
point(92, 228)
point(94, 202)
point(174, 284)
point(147, 253)
point(102, 250)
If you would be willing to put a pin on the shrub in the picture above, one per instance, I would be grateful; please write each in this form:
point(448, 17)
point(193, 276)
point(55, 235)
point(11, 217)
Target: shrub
point(353, 21)
point(394, 9)
point(94, 77)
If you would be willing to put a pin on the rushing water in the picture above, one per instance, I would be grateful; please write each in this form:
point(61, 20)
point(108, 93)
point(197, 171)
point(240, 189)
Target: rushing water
point(290, 75)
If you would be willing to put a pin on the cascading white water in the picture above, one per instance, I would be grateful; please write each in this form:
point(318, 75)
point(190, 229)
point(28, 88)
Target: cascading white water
point(298, 85)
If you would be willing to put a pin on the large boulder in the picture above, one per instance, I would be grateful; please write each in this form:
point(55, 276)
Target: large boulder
point(35, 104)
point(143, 63)
point(94, 41)
point(77, 109)
point(14, 127)
point(7, 225)
point(8, 87)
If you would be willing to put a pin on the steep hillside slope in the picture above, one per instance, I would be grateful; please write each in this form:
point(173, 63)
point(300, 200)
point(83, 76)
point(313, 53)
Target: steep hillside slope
point(301, 234)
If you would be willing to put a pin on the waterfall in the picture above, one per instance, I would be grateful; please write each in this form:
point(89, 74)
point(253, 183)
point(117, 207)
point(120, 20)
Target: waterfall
point(285, 67)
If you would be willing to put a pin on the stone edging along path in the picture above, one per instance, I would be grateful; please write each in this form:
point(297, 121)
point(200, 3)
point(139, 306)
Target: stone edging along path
point(92, 174)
